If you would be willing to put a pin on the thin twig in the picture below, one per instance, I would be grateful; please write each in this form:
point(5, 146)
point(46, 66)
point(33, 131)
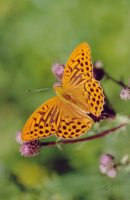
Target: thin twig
point(70, 141)
point(121, 83)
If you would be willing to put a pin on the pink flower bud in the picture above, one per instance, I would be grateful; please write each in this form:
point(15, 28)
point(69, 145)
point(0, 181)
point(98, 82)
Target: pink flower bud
point(31, 148)
point(102, 169)
point(125, 94)
point(107, 165)
point(98, 64)
point(106, 159)
point(58, 70)
point(112, 172)
point(18, 138)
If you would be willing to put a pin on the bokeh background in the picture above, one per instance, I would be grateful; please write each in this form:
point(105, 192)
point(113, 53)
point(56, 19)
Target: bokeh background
point(34, 34)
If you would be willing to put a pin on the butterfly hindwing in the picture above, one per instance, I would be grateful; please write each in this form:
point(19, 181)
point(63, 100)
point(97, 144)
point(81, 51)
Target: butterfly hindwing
point(88, 97)
point(95, 96)
point(73, 123)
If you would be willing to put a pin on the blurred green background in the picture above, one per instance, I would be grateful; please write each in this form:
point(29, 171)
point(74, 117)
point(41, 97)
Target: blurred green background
point(34, 34)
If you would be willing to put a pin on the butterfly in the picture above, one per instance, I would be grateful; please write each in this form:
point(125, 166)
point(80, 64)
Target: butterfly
point(67, 114)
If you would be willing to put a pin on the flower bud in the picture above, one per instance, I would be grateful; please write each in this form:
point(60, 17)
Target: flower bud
point(107, 165)
point(18, 138)
point(58, 70)
point(98, 71)
point(125, 94)
point(112, 172)
point(31, 148)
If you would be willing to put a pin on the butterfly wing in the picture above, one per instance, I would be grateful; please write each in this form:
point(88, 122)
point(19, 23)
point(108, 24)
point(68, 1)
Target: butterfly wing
point(56, 117)
point(78, 69)
point(79, 82)
point(95, 97)
point(43, 122)
point(73, 123)
point(62, 118)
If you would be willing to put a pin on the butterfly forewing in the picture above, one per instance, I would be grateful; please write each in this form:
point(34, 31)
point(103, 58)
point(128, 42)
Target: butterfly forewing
point(43, 122)
point(56, 117)
point(78, 80)
point(78, 69)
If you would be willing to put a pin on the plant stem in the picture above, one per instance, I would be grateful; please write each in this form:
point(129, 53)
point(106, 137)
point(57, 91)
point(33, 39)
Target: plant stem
point(71, 141)
point(121, 83)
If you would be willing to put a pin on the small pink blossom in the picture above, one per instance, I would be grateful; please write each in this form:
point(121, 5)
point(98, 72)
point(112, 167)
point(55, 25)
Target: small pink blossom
point(106, 159)
point(58, 70)
point(125, 94)
point(98, 64)
point(18, 138)
point(31, 148)
point(102, 169)
point(112, 172)
point(107, 165)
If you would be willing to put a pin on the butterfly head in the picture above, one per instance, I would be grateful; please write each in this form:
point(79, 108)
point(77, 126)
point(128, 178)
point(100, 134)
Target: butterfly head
point(58, 88)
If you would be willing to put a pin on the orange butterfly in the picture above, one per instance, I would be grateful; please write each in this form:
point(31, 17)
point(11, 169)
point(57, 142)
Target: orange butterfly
point(66, 115)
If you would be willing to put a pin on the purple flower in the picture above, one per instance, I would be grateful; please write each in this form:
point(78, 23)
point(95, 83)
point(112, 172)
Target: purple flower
point(58, 70)
point(31, 148)
point(107, 165)
point(125, 94)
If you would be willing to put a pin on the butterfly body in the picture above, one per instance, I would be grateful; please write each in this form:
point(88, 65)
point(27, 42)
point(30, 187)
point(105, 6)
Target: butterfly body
point(78, 94)
point(68, 96)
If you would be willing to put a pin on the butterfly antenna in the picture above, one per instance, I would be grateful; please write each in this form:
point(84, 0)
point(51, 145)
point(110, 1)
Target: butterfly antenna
point(37, 90)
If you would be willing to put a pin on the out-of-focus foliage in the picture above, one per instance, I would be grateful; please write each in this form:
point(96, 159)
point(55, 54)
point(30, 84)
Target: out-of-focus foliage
point(34, 34)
